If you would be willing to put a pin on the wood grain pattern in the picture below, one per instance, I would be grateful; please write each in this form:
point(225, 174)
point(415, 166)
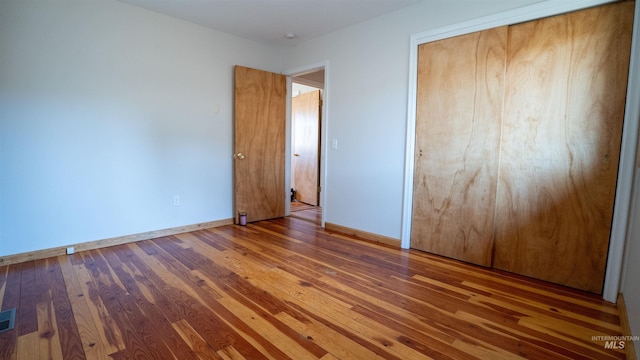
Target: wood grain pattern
point(305, 163)
point(287, 289)
point(259, 134)
point(459, 109)
point(306, 212)
point(564, 108)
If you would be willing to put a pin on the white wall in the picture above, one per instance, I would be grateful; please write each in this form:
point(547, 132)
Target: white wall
point(368, 82)
point(299, 89)
point(106, 112)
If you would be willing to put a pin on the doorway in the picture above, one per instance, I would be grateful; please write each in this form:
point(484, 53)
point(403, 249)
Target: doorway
point(306, 124)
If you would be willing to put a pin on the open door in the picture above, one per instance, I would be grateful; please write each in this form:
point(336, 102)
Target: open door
point(259, 143)
point(305, 114)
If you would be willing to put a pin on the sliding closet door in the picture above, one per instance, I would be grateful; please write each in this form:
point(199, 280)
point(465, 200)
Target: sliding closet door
point(459, 109)
point(564, 107)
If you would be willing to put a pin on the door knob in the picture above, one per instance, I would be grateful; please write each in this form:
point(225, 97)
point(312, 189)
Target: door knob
point(239, 156)
point(296, 154)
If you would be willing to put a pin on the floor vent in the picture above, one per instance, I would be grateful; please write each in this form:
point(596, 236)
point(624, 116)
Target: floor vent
point(7, 320)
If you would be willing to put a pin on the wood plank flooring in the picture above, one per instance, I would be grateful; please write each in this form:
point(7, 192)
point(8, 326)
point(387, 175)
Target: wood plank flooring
point(287, 289)
point(306, 212)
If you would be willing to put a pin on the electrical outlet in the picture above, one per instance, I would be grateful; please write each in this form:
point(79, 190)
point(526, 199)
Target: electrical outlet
point(176, 200)
point(70, 250)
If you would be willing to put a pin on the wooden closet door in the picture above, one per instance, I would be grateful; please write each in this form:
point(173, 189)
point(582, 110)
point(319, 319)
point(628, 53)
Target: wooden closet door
point(459, 110)
point(564, 106)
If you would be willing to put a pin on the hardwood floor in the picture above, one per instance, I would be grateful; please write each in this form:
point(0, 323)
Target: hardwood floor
point(287, 289)
point(306, 212)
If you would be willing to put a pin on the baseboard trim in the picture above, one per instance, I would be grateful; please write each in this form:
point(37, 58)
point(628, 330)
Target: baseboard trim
point(629, 346)
point(97, 244)
point(363, 235)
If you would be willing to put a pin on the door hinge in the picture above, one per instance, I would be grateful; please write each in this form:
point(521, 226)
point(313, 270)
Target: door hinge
point(319, 189)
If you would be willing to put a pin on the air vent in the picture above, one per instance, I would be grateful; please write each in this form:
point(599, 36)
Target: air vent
point(7, 320)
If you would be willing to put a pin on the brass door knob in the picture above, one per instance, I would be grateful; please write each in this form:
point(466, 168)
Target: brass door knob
point(239, 156)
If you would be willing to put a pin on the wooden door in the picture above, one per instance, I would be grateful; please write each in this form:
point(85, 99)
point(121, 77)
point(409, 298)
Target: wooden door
point(459, 109)
point(564, 107)
point(305, 164)
point(259, 143)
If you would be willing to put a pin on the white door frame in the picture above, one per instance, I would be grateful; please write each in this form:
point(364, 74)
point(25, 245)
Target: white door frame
point(323, 133)
point(629, 134)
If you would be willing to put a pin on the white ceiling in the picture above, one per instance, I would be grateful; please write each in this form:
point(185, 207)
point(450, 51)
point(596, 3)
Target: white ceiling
point(268, 21)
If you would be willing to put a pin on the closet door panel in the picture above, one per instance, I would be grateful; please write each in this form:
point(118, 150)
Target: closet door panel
point(459, 109)
point(564, 107)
